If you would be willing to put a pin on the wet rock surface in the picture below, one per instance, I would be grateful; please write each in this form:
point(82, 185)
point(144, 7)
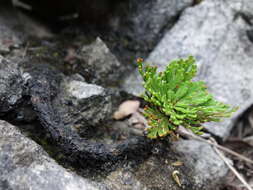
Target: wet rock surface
point(218, 39)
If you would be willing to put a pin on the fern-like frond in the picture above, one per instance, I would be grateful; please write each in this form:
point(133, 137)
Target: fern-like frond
point(174, 99)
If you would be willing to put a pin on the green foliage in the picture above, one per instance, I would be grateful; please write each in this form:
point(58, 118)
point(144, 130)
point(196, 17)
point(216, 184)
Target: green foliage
point(174, 99)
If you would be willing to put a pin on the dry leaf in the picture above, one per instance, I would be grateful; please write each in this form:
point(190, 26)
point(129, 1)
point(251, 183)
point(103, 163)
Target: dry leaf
point(176, 177)
point(177, 163)
point(126, 108)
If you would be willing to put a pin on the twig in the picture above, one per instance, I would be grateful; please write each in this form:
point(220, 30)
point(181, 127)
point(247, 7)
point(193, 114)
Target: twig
point(185, 133)
point(237, 174)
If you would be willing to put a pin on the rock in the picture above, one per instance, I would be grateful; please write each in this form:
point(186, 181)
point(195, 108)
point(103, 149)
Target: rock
point(145, 21)
point(92, 60)
point(24, 113)
point(133, 29)
point(243, 8)
point(63, 118)
point(98, 65)
point(24, 165)
point(11, 85)
point(81, 90)
point(224, 54)
point(137, 26)
point(78, 103)
point(208, 168)
point(83, 104)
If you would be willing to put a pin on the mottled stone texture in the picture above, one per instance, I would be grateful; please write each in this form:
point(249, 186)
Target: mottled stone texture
point(25, 165)
point(97, 64)
point(202, 158)
point(11, 85)
point(145, 21)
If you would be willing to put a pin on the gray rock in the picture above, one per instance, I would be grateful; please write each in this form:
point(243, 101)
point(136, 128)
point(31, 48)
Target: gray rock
point(243, 8)
point(24, 165)
point(81, 90)
point(222, 49)
point(11, 85)
point(149, 18)
point(208, 168)
point(145, 21)
point(83, 104)
point(93, 61)
point(97, 64)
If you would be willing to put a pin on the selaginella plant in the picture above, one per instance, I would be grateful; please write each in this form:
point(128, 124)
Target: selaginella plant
point(175, 100)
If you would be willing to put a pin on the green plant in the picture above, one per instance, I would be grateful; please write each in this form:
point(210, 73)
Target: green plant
point(174, 99)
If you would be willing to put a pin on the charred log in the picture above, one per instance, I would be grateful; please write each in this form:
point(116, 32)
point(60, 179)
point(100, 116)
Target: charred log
point(43, 87)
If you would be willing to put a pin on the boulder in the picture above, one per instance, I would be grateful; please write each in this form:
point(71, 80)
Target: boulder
point(137, 26)
point(145, 21)
point(25, 165)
